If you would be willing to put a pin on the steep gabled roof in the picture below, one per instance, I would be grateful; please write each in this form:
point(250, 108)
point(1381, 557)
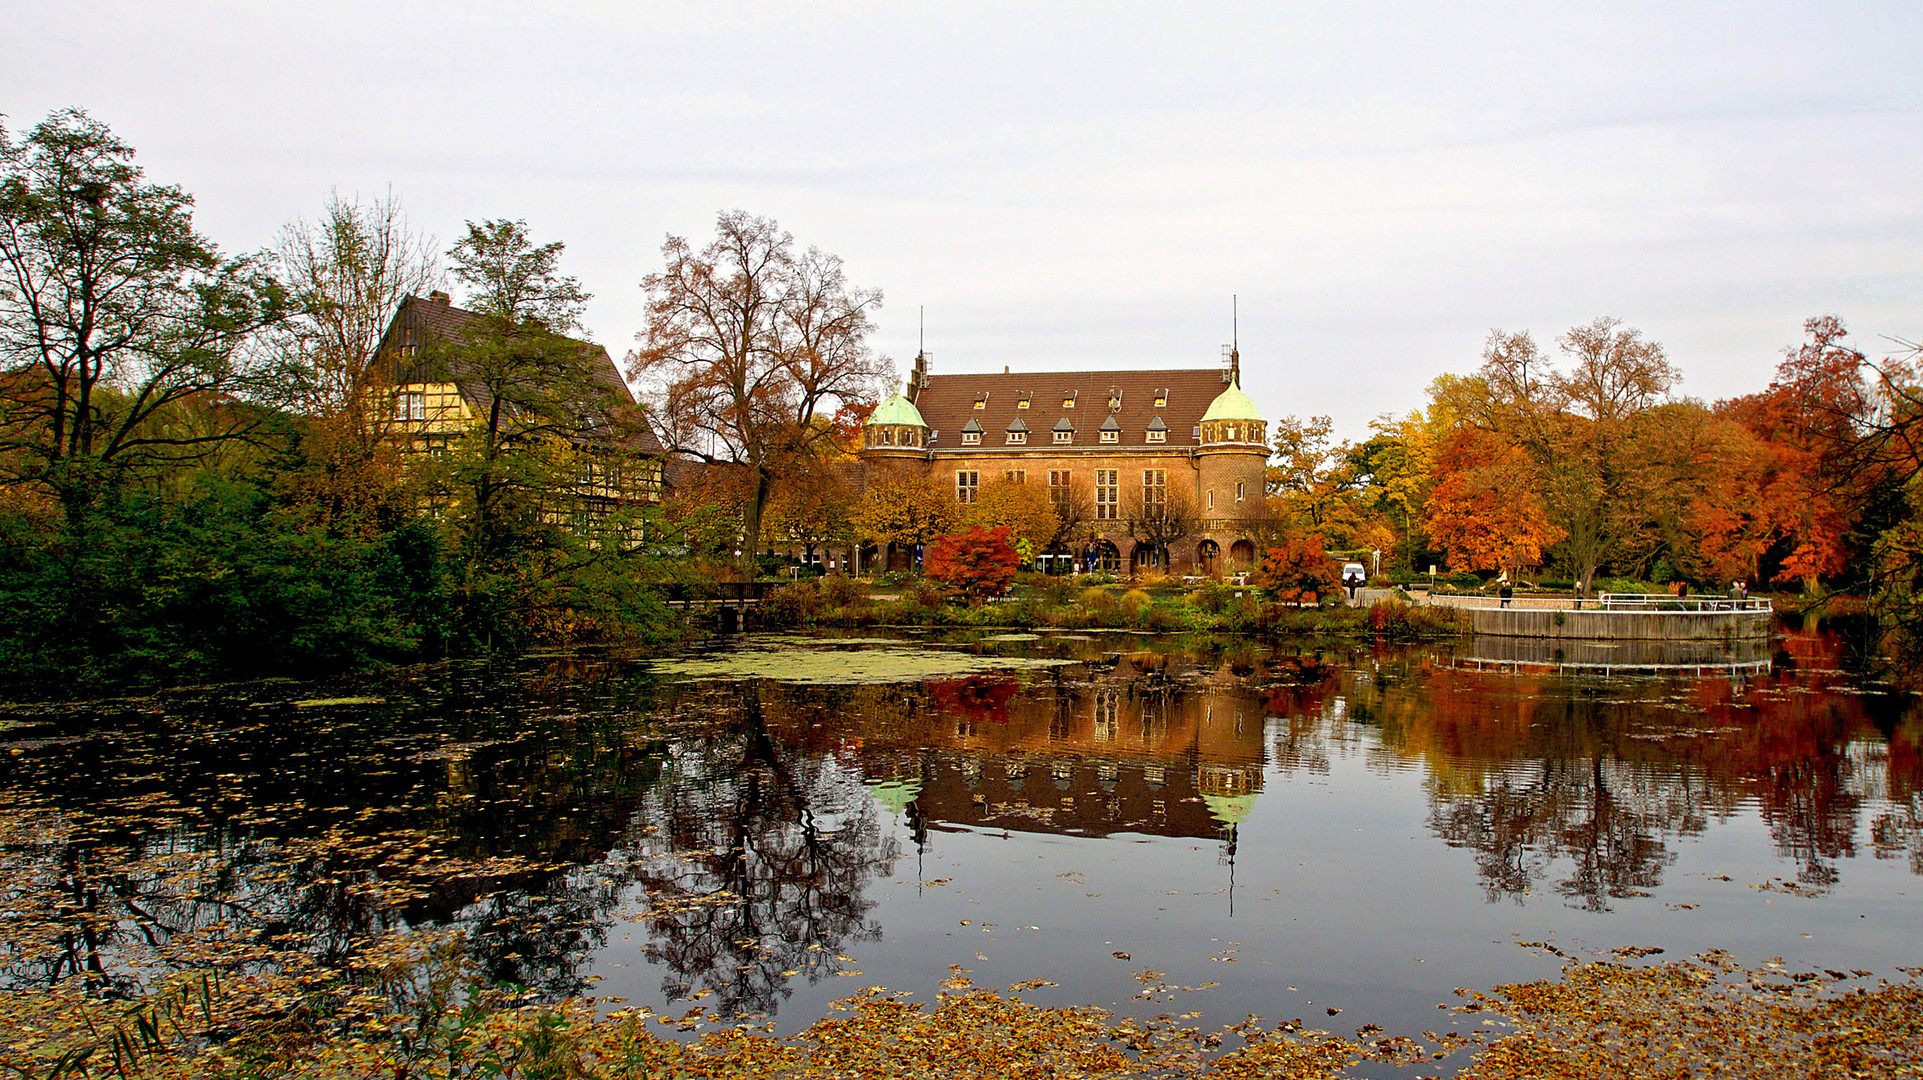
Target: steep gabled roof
point(420, 322)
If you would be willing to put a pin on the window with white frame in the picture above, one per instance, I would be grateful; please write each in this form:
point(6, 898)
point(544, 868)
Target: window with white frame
point(1108, 491)
point(1157, 435)
point(1111, 436)
point(967, 482)
point(1241, 489)
point(412, 405)
point(971, 438)
point(1058, 488)
point(1017, 438)
point(1064, 437)
point(1154, 491)
point(1019, 476)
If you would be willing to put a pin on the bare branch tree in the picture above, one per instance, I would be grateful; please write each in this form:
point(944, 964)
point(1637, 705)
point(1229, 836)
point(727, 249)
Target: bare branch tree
point(752, 348)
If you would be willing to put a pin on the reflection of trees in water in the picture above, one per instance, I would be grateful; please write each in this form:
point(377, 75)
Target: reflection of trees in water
point(1550, 783)
point(758, 871)
point(243, 833)
point(1607, 821)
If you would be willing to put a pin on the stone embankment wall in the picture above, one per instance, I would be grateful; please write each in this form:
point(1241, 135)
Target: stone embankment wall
point(1623, 625)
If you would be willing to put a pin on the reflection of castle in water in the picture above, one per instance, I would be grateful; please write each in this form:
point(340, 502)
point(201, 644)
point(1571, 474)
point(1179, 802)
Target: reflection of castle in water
point(1140, 748)
point(1570, 656)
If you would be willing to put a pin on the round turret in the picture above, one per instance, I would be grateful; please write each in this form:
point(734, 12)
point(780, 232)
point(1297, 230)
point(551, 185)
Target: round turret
point(895, 425)
point(1233, 418)
point(1232, 456)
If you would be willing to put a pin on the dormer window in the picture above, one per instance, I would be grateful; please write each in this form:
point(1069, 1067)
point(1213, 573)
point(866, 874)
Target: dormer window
point(1017, 438)
point(1161, 399)
point(971, 438)
point(1114, 400)
point(1158, 436)
point(1111, 431)
point(981, 400)
point(1068, 399)
point(1022, 403)
point(1111, 436)
point(1064, 432)
point(1157, 431)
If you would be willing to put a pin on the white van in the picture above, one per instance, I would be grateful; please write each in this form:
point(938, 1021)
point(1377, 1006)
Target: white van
point(1355, 571)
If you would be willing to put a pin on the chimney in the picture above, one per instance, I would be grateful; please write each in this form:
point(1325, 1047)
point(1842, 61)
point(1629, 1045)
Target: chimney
point(437, 297)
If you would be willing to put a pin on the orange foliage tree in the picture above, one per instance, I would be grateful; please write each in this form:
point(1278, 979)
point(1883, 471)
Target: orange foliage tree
point(1483, 512)
point(1299, 572)
point(973, 565)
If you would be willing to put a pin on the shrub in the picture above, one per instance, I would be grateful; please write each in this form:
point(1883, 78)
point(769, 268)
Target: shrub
point(1211, 596)
point(973, 565)
point(1299, 572)
point(1099, 601)
point(1133, 601)
point(840, 590)
point(798, 604)
point(1055, 590)
point(925, 594)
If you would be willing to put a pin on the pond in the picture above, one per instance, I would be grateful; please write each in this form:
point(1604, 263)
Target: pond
point(760, 828)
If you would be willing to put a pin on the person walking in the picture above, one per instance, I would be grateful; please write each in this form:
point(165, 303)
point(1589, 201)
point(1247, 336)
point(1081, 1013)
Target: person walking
point(1506, 592)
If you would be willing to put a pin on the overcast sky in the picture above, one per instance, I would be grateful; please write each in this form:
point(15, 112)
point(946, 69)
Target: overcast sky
point(1087, 185)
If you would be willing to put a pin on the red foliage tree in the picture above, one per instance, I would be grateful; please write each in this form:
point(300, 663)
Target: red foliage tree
point(1484, 512)
point(973, 565)
point(1299, 572)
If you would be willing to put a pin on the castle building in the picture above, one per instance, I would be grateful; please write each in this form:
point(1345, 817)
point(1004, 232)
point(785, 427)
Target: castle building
point(1155, 470)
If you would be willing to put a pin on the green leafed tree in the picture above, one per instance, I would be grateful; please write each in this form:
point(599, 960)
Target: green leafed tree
point(114, 313)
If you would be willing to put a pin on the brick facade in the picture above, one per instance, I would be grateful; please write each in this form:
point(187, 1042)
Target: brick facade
point(1115, 437)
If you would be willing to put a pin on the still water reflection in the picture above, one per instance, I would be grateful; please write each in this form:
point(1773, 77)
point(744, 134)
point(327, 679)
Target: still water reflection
point(1279, 829)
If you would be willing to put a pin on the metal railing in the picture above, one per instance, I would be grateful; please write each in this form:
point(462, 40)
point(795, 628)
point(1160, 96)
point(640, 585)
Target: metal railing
point(1666, 602)
point(1624, 602)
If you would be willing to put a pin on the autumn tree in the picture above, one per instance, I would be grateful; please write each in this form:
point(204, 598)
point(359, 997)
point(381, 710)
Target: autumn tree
point(906, 509)
point(1484, 512)
point(114, 311)
point(1583, 427)
point(753, 348)
point(1398, 461)
point(1024, 510)
point(973, 565)
point(812, 509)
point(1299, 572)
point(346, 274)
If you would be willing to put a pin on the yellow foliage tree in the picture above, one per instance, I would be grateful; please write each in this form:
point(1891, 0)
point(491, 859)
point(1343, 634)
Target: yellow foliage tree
point(908, 509)
point(1023, 509)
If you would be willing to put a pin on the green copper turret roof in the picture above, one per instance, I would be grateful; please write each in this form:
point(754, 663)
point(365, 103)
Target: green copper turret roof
point(1231, 404)
point(895, 410)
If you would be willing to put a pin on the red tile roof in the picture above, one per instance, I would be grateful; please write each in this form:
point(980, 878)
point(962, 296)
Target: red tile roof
point(947, 403)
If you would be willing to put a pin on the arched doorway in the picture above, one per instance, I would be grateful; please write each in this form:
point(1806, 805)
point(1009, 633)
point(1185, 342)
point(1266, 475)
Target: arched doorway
point(1146, 558)
point(1242, 555)
point(1208, 558)
point(1104, 558)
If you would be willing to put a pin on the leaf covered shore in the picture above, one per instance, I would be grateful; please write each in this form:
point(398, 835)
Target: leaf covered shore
point(411, 1009)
